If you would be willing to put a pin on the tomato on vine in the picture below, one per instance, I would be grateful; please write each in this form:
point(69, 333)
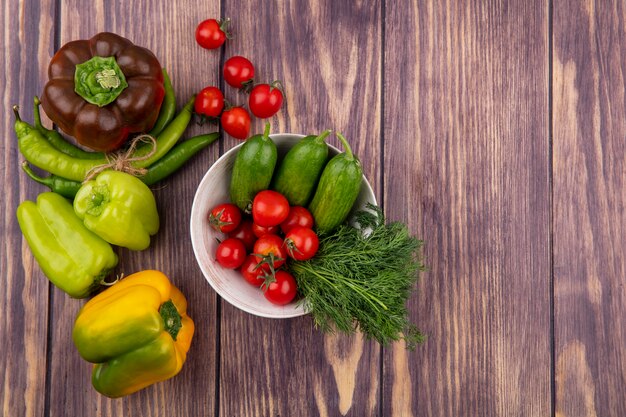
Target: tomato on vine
point(236, 122)
point(225, 217)
point(270, 252)
point(231, 253)
point(212, 33)
point(209, 102)
point(298, 216)
point(238, 71)
point(262, 230)
point(245, 232)
point(282, 290)
point(252, 272)
point(265, 99)
point(269, 208)
point(301, 243)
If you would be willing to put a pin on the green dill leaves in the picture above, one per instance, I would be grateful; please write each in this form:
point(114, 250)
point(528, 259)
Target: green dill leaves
point(362, 277)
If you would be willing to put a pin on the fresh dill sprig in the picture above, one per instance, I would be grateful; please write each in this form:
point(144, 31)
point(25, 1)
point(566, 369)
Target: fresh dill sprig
point(361, 278)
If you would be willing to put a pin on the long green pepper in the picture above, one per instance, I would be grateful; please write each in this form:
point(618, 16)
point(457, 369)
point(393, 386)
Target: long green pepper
point(167, 138)
point(160, 170)
point(168, 107)
point(58, 141)
point(40, 152)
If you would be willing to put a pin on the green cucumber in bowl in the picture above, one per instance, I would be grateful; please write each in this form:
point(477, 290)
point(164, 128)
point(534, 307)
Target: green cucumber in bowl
point(253, 169)
point(337, 190)
point(299, 171)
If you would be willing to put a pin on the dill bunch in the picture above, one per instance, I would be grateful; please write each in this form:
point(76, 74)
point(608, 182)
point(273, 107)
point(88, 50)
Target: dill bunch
point(361, 278)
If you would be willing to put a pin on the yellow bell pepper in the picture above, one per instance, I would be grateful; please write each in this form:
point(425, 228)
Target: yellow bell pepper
point(137, 332)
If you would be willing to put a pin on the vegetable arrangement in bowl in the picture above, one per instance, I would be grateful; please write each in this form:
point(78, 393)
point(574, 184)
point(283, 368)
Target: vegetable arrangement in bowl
point(285, 225)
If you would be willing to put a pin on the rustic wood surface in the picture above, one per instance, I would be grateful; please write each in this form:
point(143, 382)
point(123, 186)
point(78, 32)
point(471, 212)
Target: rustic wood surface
point(495, 130)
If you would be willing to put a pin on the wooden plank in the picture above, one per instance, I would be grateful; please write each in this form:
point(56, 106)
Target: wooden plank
point(167, 30)
point(466, 159)
point(589, 207)
point(328, 56)
point(27, 40)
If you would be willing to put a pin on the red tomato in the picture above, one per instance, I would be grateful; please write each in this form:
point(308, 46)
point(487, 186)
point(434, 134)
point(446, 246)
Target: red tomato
point(231, 253)
point(282, 290)
point(269, 208)
point(212, 33)
point(298, 216)
point(236, 122)
point(262, 230)
point(252, 272)
point(270, 251)
point(238, 71)
point(245, 233)
point(301, 243)
point(209, 102)
point(265, 100)
point(225, 217)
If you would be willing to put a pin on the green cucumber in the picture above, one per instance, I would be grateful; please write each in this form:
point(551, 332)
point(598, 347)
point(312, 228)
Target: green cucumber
point(253, 169)
point(337, 190)
point(300, 170)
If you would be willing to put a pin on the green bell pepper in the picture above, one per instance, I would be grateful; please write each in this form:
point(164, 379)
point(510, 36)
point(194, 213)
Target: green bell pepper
point(73, 258)
point(119, 208)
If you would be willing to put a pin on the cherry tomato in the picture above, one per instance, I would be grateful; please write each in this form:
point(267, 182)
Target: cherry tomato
point(238, 71)
point(282, 290)
point(298, 216)
point(252, 272)
point(212, 33)
point(262, 230)
point(245, 233)
point(209, 102)
point(265, 100)
point(231, 253)
point(269, 208)
point(225, 217)
point(301, 243)
point(236, 122)
point(270, 251)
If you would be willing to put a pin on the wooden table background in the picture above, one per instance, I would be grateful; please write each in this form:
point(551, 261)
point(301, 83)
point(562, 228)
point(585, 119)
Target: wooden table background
point(496, 130)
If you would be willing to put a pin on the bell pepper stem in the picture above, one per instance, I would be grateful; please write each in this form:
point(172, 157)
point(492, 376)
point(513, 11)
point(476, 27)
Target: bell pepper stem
point(171, 318)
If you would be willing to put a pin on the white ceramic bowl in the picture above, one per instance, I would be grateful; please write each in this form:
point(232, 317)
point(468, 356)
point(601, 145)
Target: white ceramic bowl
point(229, 284)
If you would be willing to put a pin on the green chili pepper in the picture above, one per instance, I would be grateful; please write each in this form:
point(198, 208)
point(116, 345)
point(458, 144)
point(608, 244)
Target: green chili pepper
point(39, 151)
point(63, 186)
point(168, 107)
point(167, 138)
point(58, 141)
point(176, 157)
point(161, 169)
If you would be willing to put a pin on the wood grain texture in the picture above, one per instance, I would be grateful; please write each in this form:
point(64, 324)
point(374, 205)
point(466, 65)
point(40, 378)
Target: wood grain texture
point(500, 147)
point(468, 93)
point(328, 56)
point(589, 207)
point(23, 292)
point(169, 35)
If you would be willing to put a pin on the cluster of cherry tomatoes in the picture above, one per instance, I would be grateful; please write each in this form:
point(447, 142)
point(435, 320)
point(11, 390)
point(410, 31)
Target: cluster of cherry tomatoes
point(264, 100)
point(260, 245)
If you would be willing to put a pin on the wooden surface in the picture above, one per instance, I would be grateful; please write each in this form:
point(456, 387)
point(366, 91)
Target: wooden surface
point(495, 130)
